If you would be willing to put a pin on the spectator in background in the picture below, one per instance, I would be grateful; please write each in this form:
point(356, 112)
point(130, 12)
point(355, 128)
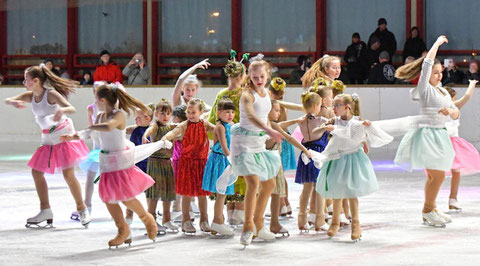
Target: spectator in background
point(383, 72)
point(414, 46)
point(373, 51)
point(86, 78)
point(472, 72)
point(387, 39)
point(408, 60)
point(356, 59)
point(451, 73)
point(137, 71)
point(2, 80)
point(49, 64)
point(304, 63)
point(107, 70)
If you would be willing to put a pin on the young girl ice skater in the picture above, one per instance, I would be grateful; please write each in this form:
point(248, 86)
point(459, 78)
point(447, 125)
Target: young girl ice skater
point(217, 162)
point(429, 147)
point(467, 158)
point(120, 179)
point(192, 163)
point(187, 85)
point(249, 157)
point(347, 172)
point(160, 166)
point(49, 107)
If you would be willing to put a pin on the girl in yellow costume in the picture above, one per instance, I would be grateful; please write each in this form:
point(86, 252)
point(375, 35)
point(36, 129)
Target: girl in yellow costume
point(236, 73)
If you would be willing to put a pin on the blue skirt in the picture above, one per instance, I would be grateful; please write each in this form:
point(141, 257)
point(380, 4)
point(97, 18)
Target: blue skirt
point(214, 168)
point(288, 156)
point(309, 173)
point(91, 163)
point(426, 148)
point(350, 176)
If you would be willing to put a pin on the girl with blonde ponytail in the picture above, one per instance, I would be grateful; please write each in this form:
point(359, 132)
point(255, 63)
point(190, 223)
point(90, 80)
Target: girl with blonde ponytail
point(328, 67)
point(49, 107)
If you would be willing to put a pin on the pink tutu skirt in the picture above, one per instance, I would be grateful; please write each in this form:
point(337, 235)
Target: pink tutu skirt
point(467, 158)
point(123, 184)
point(54, 158)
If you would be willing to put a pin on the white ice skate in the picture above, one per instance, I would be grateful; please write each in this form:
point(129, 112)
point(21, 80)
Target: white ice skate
point(238, 216)
point(43, 215)
point(188, 229)
point(246, 238)
point(311, 218)
point(432, 219)
point(286, 211)
point(205, 227)
point(265, 234)
point(330, 209)
point(454, 206)
point(324, 228)
point(447, 218)
point(221, 229)
point(84, 216)
point(161, 230)
point(283, 232)
point(171, 227)
point(76, 217)
point(343, 220)
point(129, 221)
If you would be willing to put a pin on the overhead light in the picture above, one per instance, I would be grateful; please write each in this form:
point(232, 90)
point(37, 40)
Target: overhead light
point(33, 37)
point(464, 60)
point(281, 50)
point(215, 14)
point(211, 31)
point(474, 54)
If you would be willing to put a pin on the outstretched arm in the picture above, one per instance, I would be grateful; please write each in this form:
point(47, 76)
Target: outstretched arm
point(290, 139)
point(291, 106)
point(179, 130)
point(177, 92)
point(20, 100)
point(468, 95)
point(117, 122)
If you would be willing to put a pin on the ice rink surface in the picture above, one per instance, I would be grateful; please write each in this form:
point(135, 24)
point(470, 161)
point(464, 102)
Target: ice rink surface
point(393, 233)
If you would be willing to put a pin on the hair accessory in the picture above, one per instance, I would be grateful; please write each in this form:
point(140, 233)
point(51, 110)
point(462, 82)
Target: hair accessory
point(278, 84)
point(192, 79)
point(258, 57)
point(233, 54)
point(42, 65)
point(355, 96)
point(245, 57)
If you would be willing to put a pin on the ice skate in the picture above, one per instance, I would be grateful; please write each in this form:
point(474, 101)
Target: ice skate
point(43, 215)
point(343, 220)
point(319, 220)
point(447, 218)
point(84, 217)
point(356, 231)
point(283, 232)
point(74, 216)
point(454, 206)
point(161, 230)
point(311, 218)
point(221, 229)
point(432, 219)
point(150, 226)
point(123, 236)
point(303, 225)
point(286, 211)
point(246, 238)
point(265, 234)
point(333, 229)
point(238, 216)
point(129, 221)
point(171, 227)
point(327, 217)
point(330, 210)
point(205, 227)
point(188, 229)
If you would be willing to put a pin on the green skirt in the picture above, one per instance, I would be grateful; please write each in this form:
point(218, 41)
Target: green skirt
point(161, 170)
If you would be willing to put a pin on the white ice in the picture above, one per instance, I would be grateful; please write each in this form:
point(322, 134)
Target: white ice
point(393, 233)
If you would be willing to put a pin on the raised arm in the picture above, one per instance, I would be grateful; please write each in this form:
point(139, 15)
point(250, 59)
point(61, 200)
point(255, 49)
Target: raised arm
point(179, 130)
point(177, 91)
point(19, 100)
point(285, 124)
point(427, 64)
point(291, 106)
point(209, 127)
point(468, 95)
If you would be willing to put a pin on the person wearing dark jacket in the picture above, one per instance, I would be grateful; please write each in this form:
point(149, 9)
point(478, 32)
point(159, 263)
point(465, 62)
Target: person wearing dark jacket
point(387, 39)
point(373, 51)
point(451, 73)
point(383, 72)
point(107, 70)
point(304, 64)
point(356, 59)
point(472, 72)
point(49, 64)
point(414, 46)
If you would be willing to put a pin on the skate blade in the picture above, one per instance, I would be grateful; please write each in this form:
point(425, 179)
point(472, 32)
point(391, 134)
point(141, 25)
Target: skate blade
point(453, 211)
point(75, 218)
point(172, 231)
point(356, 240)
point(189, 233)
point(425, 222)
point(220, 236)
point(282, 235)
point(49, 224)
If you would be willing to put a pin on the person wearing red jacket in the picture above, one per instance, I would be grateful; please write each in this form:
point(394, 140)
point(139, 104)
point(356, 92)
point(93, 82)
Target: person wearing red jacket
point(107, 70)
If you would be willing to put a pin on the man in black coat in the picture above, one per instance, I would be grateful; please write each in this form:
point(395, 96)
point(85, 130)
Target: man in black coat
point(414, 46)
point(356, 59)
point(373, 51)
point(383, 72)
point(387, 39)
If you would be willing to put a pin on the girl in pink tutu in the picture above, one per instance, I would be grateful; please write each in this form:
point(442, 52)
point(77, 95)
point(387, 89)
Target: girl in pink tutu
point(467, 158)
point(120, 179)
point(49, 107)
